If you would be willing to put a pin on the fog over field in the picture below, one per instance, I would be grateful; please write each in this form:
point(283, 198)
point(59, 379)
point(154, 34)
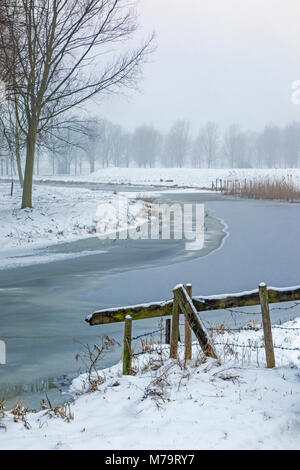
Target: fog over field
point(225, 61)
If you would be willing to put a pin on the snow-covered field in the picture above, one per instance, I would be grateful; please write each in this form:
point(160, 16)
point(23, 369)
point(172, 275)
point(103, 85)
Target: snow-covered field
point(236, 403)
point(60, 214)
point(181, 177)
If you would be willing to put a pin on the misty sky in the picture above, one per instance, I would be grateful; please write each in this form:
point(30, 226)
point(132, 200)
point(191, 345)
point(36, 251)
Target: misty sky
point(231, 61)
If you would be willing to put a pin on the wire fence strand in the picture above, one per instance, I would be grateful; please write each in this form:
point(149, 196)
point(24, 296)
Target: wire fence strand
point(224, 329)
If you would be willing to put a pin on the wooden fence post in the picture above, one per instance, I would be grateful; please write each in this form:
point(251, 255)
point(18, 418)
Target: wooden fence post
point(168, 331)
point(127, 346)
point(188, 309)
point(265, 310)
point(175, 331)
point(188, 330)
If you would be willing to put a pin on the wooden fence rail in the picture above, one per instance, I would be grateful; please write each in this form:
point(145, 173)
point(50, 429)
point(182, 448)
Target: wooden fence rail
point(202, 304)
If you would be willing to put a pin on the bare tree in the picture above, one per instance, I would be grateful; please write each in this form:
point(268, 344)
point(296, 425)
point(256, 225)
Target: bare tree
point(270, 145)
point(251, 154)
point(59, 44)
point(12, 134)
point(291, 144)
point(206, 146)
point(106, 136)
point(116, 148)
point(234, 146)
point(92, 140)
point(145, 145)
point(6, 54)
point(177, 144)
point(198, 152)
point(103, 142)
point(126, 148)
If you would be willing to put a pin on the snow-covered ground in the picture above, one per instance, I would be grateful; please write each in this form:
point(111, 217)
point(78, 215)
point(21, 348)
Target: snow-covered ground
point(236, 403)
point(181, 177)
point(60, 214)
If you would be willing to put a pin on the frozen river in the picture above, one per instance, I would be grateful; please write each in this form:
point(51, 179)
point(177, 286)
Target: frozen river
point(43, 306)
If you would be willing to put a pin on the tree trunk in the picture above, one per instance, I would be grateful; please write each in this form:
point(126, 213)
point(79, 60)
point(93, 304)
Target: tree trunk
point(19, 164)
point(38, 164)
point(29, 167)
point(92, 165)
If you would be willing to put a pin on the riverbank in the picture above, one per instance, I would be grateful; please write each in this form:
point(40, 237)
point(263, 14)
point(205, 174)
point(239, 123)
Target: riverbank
point(165, 405)
point(60, 214)
point(177, 177)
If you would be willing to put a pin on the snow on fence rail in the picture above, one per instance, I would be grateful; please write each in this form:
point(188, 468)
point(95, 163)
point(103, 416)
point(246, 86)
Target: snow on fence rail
point(201, 303)
point(183, 302)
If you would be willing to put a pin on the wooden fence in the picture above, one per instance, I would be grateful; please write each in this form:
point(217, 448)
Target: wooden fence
point(184, 303)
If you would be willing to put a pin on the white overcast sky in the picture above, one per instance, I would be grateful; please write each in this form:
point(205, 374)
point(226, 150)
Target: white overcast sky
point(230, 61)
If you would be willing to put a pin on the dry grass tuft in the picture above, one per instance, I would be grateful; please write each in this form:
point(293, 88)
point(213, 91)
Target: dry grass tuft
point(64, 411)
point(91, 357)
point(148, 200)
point(2, 409)
point(158, 387)
point(19, 412)
point(219, 330)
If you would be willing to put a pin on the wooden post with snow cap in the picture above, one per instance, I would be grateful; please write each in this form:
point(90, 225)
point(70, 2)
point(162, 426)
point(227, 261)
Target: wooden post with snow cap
point(127, 345)
point(265, 310)
point(175, 331)
point(187, 307)
point(188, 330)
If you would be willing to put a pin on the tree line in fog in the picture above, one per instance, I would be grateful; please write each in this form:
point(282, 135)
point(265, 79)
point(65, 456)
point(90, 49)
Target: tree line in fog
point(98, 143)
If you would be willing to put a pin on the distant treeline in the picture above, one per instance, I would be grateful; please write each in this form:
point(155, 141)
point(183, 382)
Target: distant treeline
point(98, 143)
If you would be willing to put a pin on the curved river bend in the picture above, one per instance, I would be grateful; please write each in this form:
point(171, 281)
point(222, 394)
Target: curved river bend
point(43, 306)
